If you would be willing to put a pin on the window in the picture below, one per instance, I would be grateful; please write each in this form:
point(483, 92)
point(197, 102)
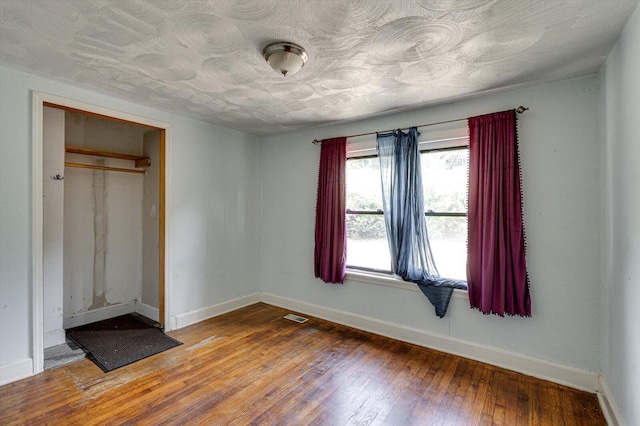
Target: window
point(444, 176)
point(444, 179)
point(367, 246)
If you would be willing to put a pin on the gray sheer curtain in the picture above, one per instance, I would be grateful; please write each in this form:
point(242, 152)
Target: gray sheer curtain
point(403, 206)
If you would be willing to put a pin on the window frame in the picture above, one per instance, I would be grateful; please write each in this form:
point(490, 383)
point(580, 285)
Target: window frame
point(455, 142)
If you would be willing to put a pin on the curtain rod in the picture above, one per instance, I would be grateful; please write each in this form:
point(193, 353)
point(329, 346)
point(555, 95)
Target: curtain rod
point(519, 110)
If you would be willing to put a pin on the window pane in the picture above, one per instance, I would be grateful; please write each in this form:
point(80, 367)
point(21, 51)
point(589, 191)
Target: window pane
point(448, 239)
point(363, 184)
point(444, 180)
point(367, 242)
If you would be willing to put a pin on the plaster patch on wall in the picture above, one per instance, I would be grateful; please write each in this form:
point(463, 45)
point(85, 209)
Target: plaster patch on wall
point(100, 236)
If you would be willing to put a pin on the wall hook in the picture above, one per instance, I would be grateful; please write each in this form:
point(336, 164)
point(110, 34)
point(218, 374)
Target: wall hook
point(57, 177)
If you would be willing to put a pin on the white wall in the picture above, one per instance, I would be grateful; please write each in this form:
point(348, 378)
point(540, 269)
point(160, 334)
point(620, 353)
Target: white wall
point(560, 150)
point(621, 278)
point(52, 225)
point(102, 217)
point(214, 213)
point(215, 216)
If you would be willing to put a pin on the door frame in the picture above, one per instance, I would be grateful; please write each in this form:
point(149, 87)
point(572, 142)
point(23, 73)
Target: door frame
point(39, 101)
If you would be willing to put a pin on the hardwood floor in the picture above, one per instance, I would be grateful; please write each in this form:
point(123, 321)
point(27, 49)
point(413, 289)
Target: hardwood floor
point(252, 366)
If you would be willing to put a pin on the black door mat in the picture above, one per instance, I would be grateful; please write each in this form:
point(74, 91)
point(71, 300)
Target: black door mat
point(120, 341)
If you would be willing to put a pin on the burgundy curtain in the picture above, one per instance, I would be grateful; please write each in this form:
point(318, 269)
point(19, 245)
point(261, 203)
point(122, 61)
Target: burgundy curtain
point(331, 235)
point(496, 268)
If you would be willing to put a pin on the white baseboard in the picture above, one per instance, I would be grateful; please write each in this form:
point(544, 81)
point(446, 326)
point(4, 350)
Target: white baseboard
point(147, 311)
point(100, 314)
point(183, 320)
point(54, 338)
point(608, 404)
point(547, 370)
point(16, 371)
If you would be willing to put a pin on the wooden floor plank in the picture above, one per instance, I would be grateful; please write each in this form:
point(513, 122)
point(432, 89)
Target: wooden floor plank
point(251, 366)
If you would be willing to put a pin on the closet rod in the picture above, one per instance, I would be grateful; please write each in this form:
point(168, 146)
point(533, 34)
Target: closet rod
point(519, 110)
point(112, 169)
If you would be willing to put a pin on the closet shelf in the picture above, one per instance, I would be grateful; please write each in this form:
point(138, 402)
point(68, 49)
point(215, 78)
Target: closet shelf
point(91, 166)
point(140, 161)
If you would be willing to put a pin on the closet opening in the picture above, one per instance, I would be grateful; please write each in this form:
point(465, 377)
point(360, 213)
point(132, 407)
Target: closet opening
point(103, 222)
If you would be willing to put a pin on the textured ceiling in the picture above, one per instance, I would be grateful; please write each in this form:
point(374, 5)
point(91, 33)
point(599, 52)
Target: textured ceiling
point(202, 58)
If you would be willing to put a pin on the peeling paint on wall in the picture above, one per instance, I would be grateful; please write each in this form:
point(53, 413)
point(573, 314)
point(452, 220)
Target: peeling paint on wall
point(99, 236)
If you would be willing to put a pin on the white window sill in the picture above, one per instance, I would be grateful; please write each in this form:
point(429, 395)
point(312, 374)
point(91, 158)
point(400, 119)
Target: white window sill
point(390, 281)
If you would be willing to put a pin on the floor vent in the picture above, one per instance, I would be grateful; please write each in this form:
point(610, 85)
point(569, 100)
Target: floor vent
point(296, 318)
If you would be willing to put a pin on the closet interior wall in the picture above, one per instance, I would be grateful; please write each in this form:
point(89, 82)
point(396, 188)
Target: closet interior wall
point(110, 225)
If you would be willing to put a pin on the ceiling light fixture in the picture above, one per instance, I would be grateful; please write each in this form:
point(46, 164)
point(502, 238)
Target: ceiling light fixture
point(284, 57)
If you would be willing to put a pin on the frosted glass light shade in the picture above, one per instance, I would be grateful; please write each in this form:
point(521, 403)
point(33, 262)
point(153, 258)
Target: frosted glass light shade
point(285, 58)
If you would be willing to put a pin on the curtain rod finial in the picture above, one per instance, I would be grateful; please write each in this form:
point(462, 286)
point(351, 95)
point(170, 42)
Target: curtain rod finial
point(316, 141)
point(521, 109)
